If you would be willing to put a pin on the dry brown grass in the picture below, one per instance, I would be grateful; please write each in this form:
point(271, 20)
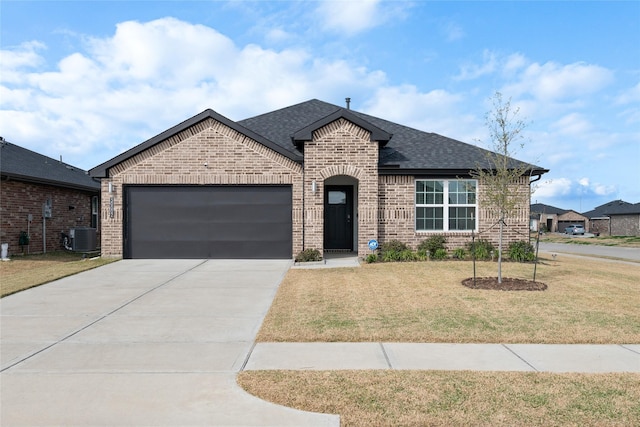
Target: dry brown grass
point(437, 398)
point(587, 301)
point(24, 272)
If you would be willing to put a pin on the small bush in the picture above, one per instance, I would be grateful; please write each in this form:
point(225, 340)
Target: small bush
point(440, 254)
point(459, 253)
point(521, 251)
point(408, 255)
point(309, 255)
point(481, 249)
point(422, 255)
point(391, 251)
point(371, 258)
point(432, 244)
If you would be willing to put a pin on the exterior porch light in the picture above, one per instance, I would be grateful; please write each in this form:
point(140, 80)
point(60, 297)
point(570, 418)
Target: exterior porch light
point(314, 186)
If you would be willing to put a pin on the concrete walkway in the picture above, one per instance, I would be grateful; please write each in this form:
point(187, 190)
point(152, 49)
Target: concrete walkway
point(559, 358)
point(140, 342)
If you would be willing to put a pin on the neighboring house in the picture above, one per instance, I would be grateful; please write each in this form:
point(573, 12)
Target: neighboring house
point(552, 219)
point(313, 175)
point(616, 218)
point(43, 198)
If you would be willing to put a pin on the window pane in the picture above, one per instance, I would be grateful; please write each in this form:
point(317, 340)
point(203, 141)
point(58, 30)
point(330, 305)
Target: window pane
point(462, 218)
point(429, 218)
point(337, 197)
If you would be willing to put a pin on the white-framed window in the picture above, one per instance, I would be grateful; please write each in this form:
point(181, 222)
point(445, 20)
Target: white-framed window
point(446, 204)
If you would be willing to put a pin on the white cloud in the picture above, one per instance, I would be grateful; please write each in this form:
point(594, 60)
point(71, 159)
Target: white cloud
point(350, 17)
point(553, 82)
point(453, 31)
point(584, 182)
point(573, 124)
point(14, 61)
point(553, 188)
point(473, 71)
point(567, 189)
point(146, 77)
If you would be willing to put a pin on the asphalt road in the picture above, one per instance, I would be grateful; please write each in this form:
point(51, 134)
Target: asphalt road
point(629, 254)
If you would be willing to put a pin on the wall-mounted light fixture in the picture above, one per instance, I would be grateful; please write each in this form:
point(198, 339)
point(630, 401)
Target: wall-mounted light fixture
point(314, 186)
point(112, 188)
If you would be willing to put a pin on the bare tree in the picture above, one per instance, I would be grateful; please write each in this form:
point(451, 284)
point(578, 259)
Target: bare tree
point(501, 176)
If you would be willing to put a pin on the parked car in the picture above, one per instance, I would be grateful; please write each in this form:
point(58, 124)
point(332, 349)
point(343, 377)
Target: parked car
point(574, 229)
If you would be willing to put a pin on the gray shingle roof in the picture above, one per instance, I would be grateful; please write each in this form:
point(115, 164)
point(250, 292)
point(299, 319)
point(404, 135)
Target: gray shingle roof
point(539, 208)
point(612, 208)
point(408, 149)
point(25, 165)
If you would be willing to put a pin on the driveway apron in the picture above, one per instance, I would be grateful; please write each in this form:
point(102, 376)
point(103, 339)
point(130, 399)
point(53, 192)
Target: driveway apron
point(140, 342)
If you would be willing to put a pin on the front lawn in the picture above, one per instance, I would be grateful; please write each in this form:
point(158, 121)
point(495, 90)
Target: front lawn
point(24, 272)
point(587, 301)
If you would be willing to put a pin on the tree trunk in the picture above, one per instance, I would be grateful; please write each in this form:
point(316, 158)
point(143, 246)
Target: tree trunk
point(500, 251)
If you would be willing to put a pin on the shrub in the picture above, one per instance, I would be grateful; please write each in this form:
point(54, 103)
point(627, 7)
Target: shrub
point(459, 253)
point(521, 251)
point(391, 251)
point(482, 249)
point(432, 244)
point(309, 255)
point(440, 254)
point(371, 258)
point(408, 255)
point(422, 254)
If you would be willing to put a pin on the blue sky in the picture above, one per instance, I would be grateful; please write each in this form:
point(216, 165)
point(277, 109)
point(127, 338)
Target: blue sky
point(88, 80)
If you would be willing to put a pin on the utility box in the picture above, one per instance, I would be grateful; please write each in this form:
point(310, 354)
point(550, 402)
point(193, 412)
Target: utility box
point(83, 239)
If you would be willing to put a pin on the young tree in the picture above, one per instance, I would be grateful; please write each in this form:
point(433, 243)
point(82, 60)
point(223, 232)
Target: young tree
point(500, 175)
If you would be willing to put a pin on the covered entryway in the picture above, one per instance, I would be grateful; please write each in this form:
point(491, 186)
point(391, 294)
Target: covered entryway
point(178, 221)
point(338, 218)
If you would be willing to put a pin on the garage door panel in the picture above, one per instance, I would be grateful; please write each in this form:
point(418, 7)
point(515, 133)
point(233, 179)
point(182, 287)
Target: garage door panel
point(208, 222)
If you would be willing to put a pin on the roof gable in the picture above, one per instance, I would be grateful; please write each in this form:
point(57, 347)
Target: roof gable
point(25, 165)
point(102, 169)
point(540, 208)
point(606, 208)
point(306, 133)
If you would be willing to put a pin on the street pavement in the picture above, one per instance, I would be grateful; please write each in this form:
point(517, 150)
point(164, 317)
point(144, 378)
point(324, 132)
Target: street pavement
point(612, 252)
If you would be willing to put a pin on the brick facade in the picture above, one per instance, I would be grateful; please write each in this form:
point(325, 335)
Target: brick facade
point(19, 199)
point(397, 216)
point(207, 153)
point(341, 148)
point(625, 225)
point(210, 152)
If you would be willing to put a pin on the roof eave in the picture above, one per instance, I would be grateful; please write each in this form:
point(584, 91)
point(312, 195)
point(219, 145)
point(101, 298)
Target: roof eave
point(43, 181)
point(101, 171)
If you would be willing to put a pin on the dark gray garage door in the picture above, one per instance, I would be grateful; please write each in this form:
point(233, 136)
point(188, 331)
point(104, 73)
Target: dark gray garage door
point(208, 222)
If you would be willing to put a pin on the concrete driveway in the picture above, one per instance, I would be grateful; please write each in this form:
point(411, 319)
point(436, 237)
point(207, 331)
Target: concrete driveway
point(140, 342)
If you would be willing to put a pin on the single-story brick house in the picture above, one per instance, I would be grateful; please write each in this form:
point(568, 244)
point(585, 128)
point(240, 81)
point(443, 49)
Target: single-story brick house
point(555, 219)
point(615, 218)
point(312, 175)
point(42, 198)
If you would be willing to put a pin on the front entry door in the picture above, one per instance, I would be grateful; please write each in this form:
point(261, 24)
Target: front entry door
point(338, 217)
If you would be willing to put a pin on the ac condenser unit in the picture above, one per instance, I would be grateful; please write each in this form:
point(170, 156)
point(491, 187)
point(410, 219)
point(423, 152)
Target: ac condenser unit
point(83, 239)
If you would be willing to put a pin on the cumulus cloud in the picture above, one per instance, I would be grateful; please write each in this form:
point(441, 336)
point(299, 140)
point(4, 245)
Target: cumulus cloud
point(473, 71)
point(350, 17)
point(148, 76)
point(436, 111)
point(553, 82)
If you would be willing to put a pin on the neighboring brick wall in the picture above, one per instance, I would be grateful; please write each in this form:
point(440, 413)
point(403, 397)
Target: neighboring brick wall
point(599, 226)
point(625, 225)
point(341, 148)
point(230, 158)
point(19, 199)
point(397, 217)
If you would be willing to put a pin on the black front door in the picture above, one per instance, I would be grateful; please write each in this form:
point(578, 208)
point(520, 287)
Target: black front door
point(338, 217)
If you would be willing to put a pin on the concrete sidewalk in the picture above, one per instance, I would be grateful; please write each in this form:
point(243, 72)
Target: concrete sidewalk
point(558, 358)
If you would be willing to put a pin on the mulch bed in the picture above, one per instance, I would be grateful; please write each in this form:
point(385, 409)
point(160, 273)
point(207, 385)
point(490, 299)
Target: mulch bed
point(508, 284)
